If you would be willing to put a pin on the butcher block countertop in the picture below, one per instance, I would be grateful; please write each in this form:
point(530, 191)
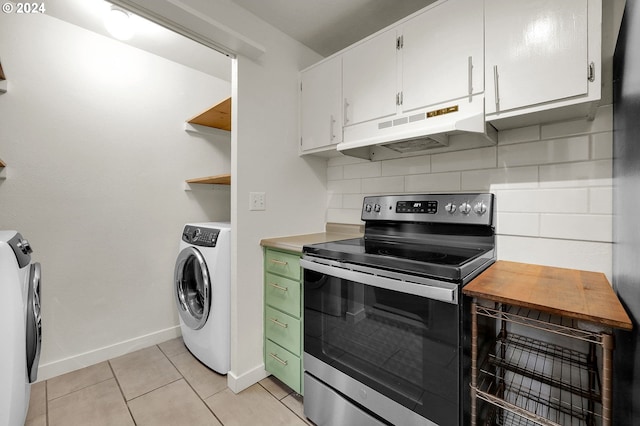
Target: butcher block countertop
point(570, 293)
point(334, 232)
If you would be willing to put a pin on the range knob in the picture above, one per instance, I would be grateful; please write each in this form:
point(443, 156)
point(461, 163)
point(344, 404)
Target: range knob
point(367, 208)
point(465, 208)
point(376, 208)
point(480, 208)
point(450, 208)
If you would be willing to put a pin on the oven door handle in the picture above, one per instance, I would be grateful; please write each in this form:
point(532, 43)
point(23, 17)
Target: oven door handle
point(429, 291)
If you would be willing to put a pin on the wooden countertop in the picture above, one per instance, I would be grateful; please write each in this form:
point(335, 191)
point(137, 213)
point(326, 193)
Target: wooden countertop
point(568, 292)
point(334, 232)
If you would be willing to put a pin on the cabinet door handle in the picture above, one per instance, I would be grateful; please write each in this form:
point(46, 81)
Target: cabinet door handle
point(346, 106)
point(470, 77)
point(279, 262)
point(278, 323)
point(279, 287)
point(281, 361)
point(495, 87)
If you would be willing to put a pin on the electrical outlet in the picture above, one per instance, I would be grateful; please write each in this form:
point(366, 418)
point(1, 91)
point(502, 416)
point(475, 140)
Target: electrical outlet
point(257, 201)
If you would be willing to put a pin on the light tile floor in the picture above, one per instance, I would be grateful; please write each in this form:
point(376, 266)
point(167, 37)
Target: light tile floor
point(159, 385)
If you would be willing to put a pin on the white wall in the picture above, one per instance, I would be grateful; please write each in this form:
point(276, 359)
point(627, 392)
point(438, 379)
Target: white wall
point(553, 185)
point(265, 159)
point(91, 130)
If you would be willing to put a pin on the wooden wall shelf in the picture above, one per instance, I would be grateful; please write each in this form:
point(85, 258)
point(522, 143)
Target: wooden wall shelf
point(215, 180)
point(218, 116)
point(2, 163)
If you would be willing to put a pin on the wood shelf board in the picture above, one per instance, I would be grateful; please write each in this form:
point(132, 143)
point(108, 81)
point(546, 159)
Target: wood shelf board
point(224, 179)
point(2, 76)
point(218, 116)
point(570, 293)
point(2, 163)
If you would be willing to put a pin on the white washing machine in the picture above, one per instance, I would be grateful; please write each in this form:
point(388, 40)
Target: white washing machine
point(202, 286)
point(20, 327)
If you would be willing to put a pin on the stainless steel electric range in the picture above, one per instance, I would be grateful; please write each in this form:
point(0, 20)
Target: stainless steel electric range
point(385, 325)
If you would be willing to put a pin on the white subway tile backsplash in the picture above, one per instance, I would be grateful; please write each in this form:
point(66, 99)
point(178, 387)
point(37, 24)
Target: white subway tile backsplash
point(344, 216)
point(584, 174)
point(577, 227)
point(553, 185)
point(406, 166)
point(522, 134)
point(523, 224)
point(505, 178)
point(362, 170)
point(345, 186)
point(602, 145)
point(602, 122)
point(437, 182)
point(575, 200)
point(584, 255)
point(544, 152)
point(601, 200)
point(383, 185)
point(470, 159)
point(352, 201)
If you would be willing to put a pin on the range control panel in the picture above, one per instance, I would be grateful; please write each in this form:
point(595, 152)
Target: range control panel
point(203, 237)
point(473, 209)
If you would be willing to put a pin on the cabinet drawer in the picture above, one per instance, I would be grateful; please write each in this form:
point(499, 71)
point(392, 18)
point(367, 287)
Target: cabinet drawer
point(282, 293)
point(284, 264)
point(283, 364)
point(282, 329)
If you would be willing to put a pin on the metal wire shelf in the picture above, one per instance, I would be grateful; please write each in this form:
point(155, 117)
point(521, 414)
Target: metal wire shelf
point(536, 382)
point(544, 321)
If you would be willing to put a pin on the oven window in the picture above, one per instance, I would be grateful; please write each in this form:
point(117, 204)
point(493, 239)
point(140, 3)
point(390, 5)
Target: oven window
point(404, 346)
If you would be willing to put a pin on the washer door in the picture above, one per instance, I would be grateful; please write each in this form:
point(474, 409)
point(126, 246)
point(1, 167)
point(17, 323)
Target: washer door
point(193, 288)
point(34, 323)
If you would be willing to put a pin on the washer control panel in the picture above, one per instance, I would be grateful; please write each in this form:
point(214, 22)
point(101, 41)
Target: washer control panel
point(473, 209)
point(198, 236)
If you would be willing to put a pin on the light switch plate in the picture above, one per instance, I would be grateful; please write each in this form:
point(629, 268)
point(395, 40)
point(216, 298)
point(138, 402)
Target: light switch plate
point(257, 201)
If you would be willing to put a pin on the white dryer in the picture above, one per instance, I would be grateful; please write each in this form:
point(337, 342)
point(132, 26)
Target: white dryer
point(202, 287)
point(20, 326)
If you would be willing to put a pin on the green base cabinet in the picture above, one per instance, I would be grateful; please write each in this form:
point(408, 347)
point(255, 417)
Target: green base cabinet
point(283, 328)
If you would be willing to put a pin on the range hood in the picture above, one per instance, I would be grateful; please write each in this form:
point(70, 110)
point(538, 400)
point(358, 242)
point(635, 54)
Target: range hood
point(452, 126)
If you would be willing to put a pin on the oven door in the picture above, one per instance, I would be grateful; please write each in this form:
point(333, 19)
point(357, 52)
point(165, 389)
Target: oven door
point(390, 343)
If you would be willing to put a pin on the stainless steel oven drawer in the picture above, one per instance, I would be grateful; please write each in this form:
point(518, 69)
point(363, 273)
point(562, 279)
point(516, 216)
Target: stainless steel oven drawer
point(324, 406)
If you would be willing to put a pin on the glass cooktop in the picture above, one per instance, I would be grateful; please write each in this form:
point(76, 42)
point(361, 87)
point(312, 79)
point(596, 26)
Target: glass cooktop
point(436, 260)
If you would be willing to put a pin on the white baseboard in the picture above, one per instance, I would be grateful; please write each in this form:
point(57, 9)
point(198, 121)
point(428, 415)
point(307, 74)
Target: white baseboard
point(66, 365)
point(238, 383)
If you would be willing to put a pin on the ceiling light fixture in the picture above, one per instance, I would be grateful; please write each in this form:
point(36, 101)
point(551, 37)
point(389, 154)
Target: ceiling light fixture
point(119, 24)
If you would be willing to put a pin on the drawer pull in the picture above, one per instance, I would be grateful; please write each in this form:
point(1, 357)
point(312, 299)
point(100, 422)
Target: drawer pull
point(279, 262)
point(281, 361)
point(279, 287)
point(276, 322)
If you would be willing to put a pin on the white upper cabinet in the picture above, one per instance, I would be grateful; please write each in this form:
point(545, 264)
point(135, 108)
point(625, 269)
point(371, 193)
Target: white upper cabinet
point(369, 79)
point(442, 54)
point(321, 105)
point(540, 54)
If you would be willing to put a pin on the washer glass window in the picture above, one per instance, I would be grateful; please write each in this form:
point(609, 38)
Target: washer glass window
point(193, 288)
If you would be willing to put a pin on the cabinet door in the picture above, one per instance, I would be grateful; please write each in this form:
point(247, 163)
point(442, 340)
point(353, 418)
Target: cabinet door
point(536, 52)
point(442, 54)
point(369, 79)
point(321, 105)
